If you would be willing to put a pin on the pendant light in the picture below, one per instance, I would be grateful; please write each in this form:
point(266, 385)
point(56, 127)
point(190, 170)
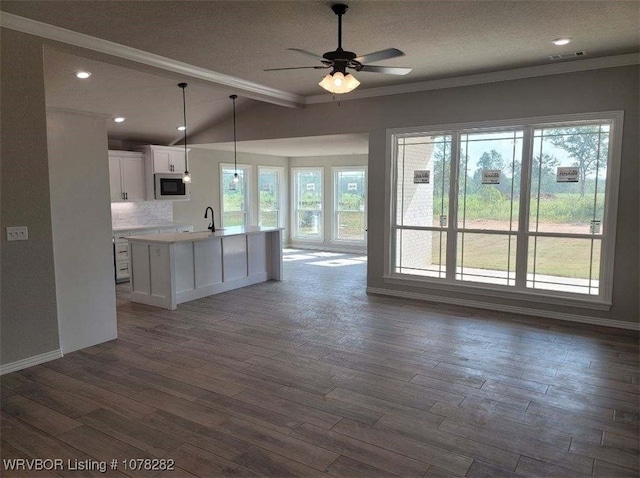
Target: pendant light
point(236, 178)
point(186, 178)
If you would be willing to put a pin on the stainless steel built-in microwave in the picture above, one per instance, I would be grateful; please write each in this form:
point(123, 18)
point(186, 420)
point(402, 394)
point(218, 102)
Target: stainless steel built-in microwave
point(170, 186)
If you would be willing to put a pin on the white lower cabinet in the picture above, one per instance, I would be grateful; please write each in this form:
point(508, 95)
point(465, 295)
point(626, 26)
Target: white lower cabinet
point(122, 252)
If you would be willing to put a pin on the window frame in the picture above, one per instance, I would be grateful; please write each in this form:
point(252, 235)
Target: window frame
point(294, 205)
point(246, 168)
point(602, 301)
point(335, 170)
point(279, 170)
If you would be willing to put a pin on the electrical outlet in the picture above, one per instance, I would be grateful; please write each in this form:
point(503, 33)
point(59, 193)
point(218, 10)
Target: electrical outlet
point(17, 233)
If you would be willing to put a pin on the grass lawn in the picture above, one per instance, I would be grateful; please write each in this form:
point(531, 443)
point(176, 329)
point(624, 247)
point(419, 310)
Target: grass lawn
point(561, 257)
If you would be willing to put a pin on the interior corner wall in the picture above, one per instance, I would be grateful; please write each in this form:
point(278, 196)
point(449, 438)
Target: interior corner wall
point(204, 166)
point(28, 324)
point(608, 89)
point(81, 223)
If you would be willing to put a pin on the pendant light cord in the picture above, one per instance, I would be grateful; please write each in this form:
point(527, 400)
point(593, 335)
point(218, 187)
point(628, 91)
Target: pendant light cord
point(184, 115)
point(235, 164)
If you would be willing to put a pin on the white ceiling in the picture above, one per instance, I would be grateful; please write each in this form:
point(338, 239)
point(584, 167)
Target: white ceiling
point(441, 39)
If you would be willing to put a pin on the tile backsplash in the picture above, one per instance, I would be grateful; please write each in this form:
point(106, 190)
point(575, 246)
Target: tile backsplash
point(141, 213)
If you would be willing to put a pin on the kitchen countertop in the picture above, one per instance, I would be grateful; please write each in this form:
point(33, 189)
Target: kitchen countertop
point(173, 237)
point(148, 226)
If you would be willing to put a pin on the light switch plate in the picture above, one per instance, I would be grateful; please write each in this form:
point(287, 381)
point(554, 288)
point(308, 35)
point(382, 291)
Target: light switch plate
point(17, 233)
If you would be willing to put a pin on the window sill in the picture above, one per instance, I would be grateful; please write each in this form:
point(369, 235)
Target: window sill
point(501, 292)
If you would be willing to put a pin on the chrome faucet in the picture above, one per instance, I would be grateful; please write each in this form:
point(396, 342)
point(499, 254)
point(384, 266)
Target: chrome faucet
point(212, 225)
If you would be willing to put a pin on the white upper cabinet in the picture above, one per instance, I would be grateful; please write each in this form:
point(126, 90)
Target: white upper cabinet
point(168, 161)
point(126, 176)
point(165, 159)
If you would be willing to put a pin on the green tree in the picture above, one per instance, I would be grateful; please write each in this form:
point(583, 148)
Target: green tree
point(543, 173)
point(441, 174)
point(492, 160)
point(585, 146)
point(350, 201)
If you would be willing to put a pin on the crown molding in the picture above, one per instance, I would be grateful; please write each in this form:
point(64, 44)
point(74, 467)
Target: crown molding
point(56, 109)
point(249, 89)
point(482, 78)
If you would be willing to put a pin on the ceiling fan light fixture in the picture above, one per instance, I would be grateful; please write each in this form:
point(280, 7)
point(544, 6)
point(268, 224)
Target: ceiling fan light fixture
point(337, 79)
point(338, 83)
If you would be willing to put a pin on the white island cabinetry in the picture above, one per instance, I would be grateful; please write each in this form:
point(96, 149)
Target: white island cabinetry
point(169, 269)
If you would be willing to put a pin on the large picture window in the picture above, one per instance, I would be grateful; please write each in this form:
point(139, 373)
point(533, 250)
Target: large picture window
point(528, 207)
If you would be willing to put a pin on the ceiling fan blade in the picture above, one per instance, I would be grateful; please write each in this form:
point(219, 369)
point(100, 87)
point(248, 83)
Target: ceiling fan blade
point(298, 68)
point(389, 70)
point(380, 55)
point(308, 53)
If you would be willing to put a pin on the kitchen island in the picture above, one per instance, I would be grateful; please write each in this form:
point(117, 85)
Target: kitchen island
point(172, 268)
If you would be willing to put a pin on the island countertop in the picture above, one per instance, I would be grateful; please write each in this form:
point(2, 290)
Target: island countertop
point(174, 237)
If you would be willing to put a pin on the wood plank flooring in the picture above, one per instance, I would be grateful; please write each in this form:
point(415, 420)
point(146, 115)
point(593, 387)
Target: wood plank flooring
point(311, 377)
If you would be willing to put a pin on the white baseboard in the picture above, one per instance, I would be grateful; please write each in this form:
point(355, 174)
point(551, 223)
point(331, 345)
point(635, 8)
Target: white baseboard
point(619, 324)
point(30, 361)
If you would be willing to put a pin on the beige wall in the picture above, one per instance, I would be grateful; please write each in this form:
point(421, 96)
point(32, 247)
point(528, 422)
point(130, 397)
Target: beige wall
point(589, 91)
point(28, 323)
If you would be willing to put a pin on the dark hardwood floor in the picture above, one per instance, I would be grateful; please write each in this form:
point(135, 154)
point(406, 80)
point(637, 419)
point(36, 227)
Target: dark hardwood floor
point(312, 377)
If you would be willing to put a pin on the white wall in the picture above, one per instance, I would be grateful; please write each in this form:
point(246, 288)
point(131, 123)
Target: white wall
point(81, 224)
point(326, 162)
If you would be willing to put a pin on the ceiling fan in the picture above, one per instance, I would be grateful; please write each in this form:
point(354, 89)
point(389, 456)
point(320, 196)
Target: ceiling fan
point(339, 80)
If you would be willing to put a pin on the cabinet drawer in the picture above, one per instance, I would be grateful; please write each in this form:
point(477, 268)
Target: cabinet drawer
point(121, 237)
point(122, 270)
point(122, 251)
point(185, 229)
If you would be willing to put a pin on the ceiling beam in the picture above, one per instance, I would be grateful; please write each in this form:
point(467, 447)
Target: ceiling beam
point(248, 89)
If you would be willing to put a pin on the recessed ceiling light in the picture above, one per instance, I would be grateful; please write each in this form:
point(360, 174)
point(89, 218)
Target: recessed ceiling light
point(561, 41)
point(83, 75)
point(181, 128)
point(119, 119)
